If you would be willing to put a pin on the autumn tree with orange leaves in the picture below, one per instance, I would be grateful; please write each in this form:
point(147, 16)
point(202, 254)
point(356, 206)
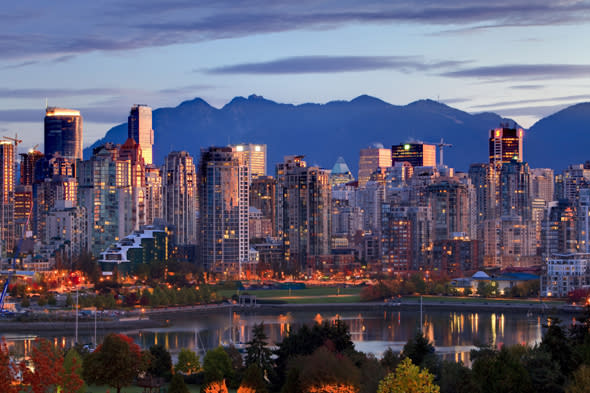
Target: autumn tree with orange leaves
point(8, 370)
point(48, 374)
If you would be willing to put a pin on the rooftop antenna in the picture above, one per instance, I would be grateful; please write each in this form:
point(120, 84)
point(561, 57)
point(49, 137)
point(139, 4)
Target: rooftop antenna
point(46, 103)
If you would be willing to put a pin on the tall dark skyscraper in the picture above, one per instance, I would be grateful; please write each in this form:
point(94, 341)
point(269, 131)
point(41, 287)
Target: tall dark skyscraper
point(139, 128)
point(505, 145)
point(63, 133)
point(417, 154)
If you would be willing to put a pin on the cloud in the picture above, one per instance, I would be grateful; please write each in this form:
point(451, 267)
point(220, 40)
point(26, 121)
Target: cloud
point(527, 87)
point(525, 71)
point(330, 64)
point(534, 100)
point(61, 92)
point(537, 112)
point(31, 30)
point(92, 114)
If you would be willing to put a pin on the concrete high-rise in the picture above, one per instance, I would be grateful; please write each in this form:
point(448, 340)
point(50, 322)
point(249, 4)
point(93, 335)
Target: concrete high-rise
point(139, 128)
point(179, 196)
point(303, 210)
point(7, 183)
point(63, 133)
point(370, 160)
point(417, 154)
point(505, 145)
point(223, 206)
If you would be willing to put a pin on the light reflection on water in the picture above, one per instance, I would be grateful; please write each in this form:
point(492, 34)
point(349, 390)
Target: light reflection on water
point(454, 334)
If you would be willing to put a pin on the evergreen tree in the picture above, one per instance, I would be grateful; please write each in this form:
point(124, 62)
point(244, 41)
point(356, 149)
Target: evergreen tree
point(257, 352)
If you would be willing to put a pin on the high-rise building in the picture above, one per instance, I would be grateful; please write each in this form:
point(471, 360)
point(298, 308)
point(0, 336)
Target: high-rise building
point(23, 205)
point(449, 200)
point(139, 128)
point(254, 157)
point(63, 133)
point(66, 229)
point(105, 192)
point(224, 214)
point(417, 154)
point(153, 195)
point(542, 184)
point(179, 196)
point(27, 166)
point(7, 183)
point(515, 190)
point(130, 151)
point(263, 197)
point(574, 178)
point(340, 173)
point(505, 145)
point(371, 159)
point(483, 178)
point(303, 210)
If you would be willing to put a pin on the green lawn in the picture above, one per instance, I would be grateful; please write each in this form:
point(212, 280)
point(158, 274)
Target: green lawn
point(304, 296)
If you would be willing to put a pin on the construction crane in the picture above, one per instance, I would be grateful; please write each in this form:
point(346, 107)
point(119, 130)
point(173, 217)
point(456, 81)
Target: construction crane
point(442, 145)
point(15, 140)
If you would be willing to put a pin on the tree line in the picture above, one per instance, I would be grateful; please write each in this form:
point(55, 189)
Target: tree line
point(317, 359)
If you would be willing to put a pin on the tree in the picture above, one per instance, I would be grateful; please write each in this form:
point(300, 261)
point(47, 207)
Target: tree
point(500, 371)
point(257, 352)
point(161, 362)
point(73, 365)
point(418, 349)
point(253, 380)
point(116, 362)
point(454, 377)
point(217, 366)
point(390, 360)
point(215, 387)
point(305, 341)
point(324, 369)
point(556, 343)
point(8, 370)
point(580, 380)
point(188, 362)
point(177, 385)
point(408, 378)
point(485, 289)
point(48, 373)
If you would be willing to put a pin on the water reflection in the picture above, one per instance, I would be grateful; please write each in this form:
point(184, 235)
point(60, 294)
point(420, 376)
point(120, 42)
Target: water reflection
point(453, 333)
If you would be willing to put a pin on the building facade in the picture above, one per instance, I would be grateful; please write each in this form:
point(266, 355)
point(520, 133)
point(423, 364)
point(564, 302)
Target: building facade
point(179, 196)
point(139, 128)
point(224, 215)
point(63, 133)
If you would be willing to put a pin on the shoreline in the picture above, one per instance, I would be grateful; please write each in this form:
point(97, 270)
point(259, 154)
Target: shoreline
point(163, 317)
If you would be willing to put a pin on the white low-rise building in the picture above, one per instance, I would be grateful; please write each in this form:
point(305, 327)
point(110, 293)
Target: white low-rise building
point(564, 273)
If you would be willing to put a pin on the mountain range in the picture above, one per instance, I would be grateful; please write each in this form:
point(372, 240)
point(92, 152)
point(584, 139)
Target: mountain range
point(323, 132)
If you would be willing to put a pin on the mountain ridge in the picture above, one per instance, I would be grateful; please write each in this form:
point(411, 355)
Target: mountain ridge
point(323, 132)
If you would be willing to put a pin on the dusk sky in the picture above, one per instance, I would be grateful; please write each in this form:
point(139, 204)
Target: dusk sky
point(515, 58)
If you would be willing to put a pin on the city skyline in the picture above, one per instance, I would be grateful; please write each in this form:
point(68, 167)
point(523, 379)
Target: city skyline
point(517, 59)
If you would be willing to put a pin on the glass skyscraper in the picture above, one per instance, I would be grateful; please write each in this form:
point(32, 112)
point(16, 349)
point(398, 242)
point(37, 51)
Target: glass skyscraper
point(63, 133)
point(139, 128)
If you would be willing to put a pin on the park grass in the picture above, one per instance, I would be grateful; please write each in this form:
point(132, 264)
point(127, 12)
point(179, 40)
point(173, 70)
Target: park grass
point(312, 295)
